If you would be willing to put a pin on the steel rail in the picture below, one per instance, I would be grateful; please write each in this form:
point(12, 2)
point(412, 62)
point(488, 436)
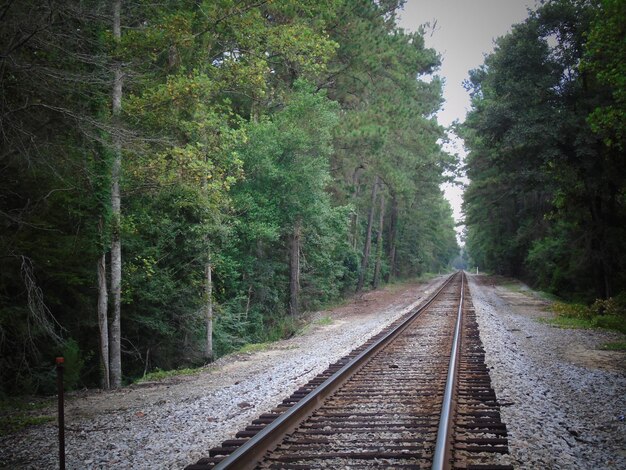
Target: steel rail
point(441, 446)
point(248, 455)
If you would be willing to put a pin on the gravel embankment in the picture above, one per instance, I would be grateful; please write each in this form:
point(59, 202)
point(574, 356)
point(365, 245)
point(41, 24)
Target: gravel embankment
point(173, 423)
point(563, 401)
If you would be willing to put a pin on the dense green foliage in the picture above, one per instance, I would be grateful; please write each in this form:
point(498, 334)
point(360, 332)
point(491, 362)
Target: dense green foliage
point(545, 134)
point(288, 148)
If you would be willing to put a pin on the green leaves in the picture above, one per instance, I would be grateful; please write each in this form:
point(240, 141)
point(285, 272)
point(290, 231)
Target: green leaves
point(543, 201)
point(605, 50)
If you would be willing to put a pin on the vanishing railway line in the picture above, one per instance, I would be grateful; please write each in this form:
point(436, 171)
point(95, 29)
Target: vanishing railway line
point(417, 395)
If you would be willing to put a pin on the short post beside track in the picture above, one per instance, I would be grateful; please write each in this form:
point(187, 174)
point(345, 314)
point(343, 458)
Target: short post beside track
point(61, 408)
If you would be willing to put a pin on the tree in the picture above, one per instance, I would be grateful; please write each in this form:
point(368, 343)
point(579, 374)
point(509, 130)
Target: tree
point(286, 162)
point(602, 62)
point(379, 242)
point(116, 240)
point(387, 131)
point(543, 199)
point(368, 235)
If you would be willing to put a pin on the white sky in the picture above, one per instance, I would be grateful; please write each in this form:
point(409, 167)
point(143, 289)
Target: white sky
point(464, 33)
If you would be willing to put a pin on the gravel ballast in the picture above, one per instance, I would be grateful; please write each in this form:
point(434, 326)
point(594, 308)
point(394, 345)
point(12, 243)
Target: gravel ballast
point(563, 399)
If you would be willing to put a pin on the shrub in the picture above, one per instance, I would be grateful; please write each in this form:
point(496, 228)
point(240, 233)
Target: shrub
point(603, 313)
point(567, 310)
point(611, 322)
point(611, 306)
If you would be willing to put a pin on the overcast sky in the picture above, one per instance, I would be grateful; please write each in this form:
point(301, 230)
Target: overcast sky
point(463, 33)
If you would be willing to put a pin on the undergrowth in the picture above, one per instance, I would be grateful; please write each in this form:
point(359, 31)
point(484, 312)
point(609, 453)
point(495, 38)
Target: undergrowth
point(324, 321)
point(614, 346)
point(253, 347)
point(16, 414)
point(255, 333)
point(159, 374)
point(603, 313)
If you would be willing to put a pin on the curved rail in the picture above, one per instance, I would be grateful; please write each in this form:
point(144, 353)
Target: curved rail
point(441, 446)
point(249, 454)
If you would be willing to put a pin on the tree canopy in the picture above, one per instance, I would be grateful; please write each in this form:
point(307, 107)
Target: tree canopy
point(545, 139)
point(229, 164)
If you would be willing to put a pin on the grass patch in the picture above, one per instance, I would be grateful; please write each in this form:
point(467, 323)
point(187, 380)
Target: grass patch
point(159, 374)
point(396, 283)
point(324, 321)
point(253, 347)
point(611, 322)
point(14, 423)
point(616, 346)
point(426, 277)
point(514, 287)
point(572, 310)
point(568, 322)
point(307, 325)
point(602, 314)
point(8, 405)
point(547, 296)
point(520, 288)
point(16, 414)
point(334, 303)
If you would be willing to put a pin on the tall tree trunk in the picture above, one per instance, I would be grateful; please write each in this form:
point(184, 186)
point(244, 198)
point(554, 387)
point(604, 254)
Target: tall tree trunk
point(208, 273)
point(249, 298)
point(208, 291)
point(355, 228)
point(379, 242)
point(116, 241)
point(393, 236)
point(600, 264)
point(368, 238)
point(355, 215)
point(294, 269)
point(103, 321)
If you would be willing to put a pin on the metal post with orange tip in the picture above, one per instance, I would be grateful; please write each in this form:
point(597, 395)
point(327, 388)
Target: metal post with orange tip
point(59, 362)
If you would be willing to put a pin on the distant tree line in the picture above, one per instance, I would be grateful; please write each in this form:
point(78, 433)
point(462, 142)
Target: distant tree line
point(546, 135)
point(180, 178)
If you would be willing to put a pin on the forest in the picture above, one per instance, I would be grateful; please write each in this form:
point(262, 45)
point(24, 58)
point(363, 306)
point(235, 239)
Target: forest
point(546, 138)
point(181, 178)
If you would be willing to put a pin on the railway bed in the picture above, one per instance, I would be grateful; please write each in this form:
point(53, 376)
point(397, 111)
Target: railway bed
point(391, 403)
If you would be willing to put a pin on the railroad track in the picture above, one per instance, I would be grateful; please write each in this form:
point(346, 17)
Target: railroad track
point(417, 395)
